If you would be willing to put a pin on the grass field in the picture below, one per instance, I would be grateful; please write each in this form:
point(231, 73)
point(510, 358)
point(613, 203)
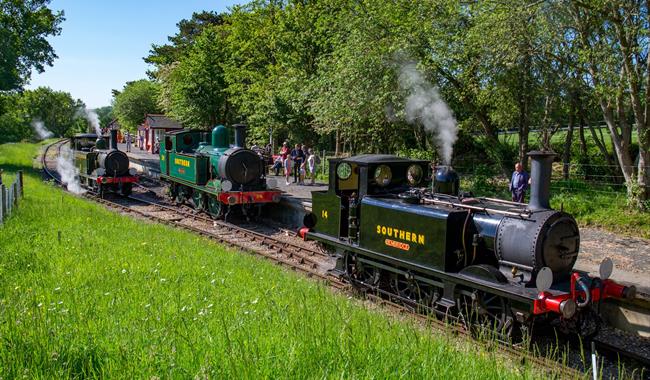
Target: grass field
point(85, 292)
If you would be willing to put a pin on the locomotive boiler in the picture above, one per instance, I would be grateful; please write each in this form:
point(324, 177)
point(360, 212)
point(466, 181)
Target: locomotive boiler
point(212, 174)
point(396, 225)
point(102, 167)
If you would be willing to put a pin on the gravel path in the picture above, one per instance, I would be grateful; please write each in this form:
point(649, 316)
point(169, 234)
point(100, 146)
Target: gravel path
point(629, 254)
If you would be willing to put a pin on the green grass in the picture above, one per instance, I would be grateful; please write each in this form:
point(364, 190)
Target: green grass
point(121, 298)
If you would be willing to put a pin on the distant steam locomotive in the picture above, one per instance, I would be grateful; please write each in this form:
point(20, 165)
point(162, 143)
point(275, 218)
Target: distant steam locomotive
point(493, 262)
point(102, 167)
point(215, 176)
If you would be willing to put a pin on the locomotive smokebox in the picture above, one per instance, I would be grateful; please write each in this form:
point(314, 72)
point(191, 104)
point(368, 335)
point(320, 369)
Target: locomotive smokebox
point(446, 181)
point(540, 177)
point(114, 139)
point(240, 135)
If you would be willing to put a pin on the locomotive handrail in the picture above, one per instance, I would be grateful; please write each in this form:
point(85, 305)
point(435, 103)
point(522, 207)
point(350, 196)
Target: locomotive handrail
point(495, 200)
point(477, 208)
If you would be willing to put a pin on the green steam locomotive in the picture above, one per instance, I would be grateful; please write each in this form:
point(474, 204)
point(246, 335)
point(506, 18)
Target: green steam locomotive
point(205, 170)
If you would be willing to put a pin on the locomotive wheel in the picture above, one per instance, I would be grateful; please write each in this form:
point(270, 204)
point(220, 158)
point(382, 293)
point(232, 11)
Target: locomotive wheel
point(182, 195)
point(368, 275)
point(125, 189)
point(485, 312)
point(172, 191)
point(215, 208)
point(405, 287)
point(198, 198)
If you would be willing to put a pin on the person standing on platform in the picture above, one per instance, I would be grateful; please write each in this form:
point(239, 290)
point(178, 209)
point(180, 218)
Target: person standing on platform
point(519, 183)
point(286, 163)
point(141, 139)
point(127, 139)
point(298, 157)
point(312, 164)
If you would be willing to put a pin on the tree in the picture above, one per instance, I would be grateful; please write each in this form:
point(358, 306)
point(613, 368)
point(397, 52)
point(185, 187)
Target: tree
point(612, 38)
point(193, 90)
point(188, 31)
point(24, 28)
point(136, 99)
point(13, 123)
point(59, 112)
point(105, 115)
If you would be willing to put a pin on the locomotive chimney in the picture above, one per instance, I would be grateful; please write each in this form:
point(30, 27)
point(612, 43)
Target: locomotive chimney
point(540, 177)
point(114, 139)
point(240, 135)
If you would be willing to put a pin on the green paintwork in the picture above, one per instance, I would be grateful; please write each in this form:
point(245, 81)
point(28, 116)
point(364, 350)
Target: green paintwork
point(327, 209)
point(208, 188)
point(423, 237)
point(188, 159)
point(85, 162)
point(220, 137)
point(192, 168)
point(164, 157)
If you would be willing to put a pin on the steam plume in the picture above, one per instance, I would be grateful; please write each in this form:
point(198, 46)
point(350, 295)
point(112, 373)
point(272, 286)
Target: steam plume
point(42, 132)
point(68, 172)
point(425, 105)
point(93, 118)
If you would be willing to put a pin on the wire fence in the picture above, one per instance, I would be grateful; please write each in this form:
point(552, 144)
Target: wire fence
point(583, 177)
point(9, 196)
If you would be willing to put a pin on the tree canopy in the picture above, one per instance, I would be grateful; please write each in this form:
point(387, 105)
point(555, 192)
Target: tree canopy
point(136, 99)
point(331, 73)
point(57, 111)
point(24, 28)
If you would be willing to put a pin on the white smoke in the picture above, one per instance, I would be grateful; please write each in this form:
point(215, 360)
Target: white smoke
point(68, 172)
point(93, 118)
point(424, 105)
point(42, 132)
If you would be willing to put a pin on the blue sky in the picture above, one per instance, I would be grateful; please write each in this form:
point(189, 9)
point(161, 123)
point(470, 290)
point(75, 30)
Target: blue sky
point(102, 42)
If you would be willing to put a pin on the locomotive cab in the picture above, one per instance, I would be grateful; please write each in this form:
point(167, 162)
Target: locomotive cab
point(354, 178)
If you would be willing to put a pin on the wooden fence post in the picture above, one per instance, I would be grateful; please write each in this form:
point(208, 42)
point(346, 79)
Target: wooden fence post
point(2, 203)
point(9, 199)
point(15, 192)
point(21, 183)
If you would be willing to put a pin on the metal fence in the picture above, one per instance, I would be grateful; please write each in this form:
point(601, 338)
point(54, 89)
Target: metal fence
point(9, 196)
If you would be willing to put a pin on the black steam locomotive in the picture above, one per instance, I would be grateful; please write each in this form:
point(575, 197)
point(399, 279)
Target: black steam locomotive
point(102, 167)
point(488, 261)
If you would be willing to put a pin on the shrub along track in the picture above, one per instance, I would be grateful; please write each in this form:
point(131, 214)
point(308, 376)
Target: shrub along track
point(307, 258)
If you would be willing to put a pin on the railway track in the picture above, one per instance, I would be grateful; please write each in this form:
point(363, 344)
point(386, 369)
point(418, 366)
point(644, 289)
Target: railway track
point(314, 263)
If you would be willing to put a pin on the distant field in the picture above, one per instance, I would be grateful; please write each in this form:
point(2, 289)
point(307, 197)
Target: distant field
point(560, 137)
point(85, 292)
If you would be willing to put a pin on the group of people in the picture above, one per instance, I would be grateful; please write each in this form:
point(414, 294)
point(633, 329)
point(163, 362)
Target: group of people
point(300, 161)
point(129, 139)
